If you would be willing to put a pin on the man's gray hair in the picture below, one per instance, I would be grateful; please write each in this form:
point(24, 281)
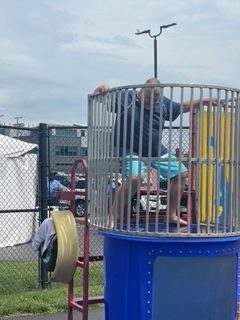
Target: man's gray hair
point(153, 81)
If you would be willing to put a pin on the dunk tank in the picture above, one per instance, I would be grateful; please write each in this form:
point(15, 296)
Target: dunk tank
point(156, 268)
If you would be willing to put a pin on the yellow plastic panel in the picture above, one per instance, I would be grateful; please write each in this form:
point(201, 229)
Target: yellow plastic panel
point(67, 242)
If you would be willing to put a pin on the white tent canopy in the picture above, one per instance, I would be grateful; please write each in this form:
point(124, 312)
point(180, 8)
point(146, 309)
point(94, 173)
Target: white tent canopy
point(18, 188)
point(10, 147)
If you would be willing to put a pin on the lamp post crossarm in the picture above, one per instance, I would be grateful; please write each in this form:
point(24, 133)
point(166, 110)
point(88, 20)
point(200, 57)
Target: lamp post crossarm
point(148, 31)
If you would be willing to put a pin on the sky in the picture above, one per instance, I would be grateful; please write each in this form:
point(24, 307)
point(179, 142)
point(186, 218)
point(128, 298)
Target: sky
point(53, 53)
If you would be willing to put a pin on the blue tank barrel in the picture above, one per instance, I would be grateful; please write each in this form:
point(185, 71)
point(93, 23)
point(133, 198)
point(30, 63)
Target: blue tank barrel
point(170, 279)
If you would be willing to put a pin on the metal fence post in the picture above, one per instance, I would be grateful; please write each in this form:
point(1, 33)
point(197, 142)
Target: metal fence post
point(43, 197)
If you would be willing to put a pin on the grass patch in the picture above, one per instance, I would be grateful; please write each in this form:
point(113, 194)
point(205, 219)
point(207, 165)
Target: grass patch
point(18, 276)
point(19, 293)
point(38, 301)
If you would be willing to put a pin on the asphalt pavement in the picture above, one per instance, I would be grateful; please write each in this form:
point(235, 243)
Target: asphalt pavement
point(95, 314)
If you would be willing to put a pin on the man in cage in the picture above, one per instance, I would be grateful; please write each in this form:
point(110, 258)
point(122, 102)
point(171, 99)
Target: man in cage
point(164, 109)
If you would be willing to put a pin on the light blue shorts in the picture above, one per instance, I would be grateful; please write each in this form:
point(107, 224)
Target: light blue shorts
point(171, 167)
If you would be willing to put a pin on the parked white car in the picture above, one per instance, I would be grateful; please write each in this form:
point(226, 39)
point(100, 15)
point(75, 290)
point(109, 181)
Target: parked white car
point(80, 186)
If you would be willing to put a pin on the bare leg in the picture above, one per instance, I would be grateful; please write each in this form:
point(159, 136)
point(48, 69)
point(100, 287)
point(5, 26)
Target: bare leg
point(121, 199)
point(174, 194)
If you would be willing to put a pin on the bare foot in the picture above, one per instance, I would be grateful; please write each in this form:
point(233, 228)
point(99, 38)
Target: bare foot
point(174, 219)
point(110, 222)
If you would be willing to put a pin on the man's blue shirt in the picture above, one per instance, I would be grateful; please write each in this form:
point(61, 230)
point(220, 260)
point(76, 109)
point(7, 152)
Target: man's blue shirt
point(53, 186)
point(164, 110)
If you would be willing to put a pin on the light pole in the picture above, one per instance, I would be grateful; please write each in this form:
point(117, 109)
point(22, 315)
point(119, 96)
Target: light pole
point(18, 124)
point(148, 31)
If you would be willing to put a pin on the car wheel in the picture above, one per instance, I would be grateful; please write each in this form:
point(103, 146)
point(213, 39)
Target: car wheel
point(134, 206)
point(80, 208)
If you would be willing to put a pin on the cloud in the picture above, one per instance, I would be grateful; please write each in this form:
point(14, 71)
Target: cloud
point(54, 52)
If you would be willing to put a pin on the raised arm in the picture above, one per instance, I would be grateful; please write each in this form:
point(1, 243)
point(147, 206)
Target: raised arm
point(196, 103)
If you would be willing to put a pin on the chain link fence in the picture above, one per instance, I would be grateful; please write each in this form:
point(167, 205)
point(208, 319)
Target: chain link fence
point(18, 210)
point(28, 156)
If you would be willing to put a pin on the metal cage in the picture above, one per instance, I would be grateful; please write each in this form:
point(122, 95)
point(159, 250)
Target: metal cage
point(128, 194)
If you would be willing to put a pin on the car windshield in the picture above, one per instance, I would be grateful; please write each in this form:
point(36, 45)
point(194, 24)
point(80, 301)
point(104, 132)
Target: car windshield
point(80, 184)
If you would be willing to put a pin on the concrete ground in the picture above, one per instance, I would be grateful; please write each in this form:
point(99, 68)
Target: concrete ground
point(95, 314)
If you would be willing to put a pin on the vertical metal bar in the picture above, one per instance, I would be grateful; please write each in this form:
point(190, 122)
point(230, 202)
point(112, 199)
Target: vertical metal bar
point(210, 161)
point(140, 159)
point(97, 129)
point(212, 187)
point(124, 126)
point(96, 106)
point(199, 165)
point(91, 158)
point(85, 272)
point(230, 165)
point(158, 198)
point(217, 169)
point(93, 184)
point(149, 160)
point(112, 162)
point(169, 163)
point(160, 129)
point(105, 168)
point(155, 57)
point(131, 157)
point(43, 172)
point(237, 156)
point(213, 162)
point(190, 163)
point(106, 179)
point(90, 144)
point(102, 146)
point(208, 202)
point(179, 193)
point(70, 299)
point(116, 137)
point(224, 160)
